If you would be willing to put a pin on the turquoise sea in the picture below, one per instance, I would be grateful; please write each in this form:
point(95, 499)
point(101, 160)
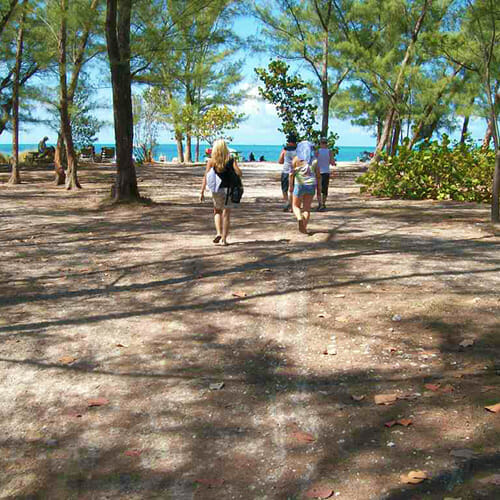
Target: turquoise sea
point(270, 153)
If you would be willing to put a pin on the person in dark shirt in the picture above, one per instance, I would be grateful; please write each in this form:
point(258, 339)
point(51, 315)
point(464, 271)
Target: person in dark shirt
point(43, 150)
point(262, 158)
point(251, 157)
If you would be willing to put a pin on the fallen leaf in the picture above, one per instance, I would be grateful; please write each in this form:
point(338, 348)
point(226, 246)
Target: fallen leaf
point(414, 477)
point(209, 482)
point(319, 492)
point(493, 408)
point(216, 386)
point(240, 295)
point(391, 423)
point(133, 453)
point(405, 422)
point(97, 402)
point(303, 437)
point(358, 398)
point(322, 315)
point(67, 360)
point(385, 399)
point(463, 453)
point(467, 343)
point(432, 387)
point(121, 345)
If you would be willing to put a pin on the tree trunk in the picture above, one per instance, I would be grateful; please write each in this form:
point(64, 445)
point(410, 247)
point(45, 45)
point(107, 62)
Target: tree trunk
point(487, 136)
point(60, 161)
point(197, 149)
point(72, 177)
point(118, 42)
point(180, 150)
point(15, 177)
point(386, 134)
point(495, 202)
point(395, 136)
point(188, 148)
point(325, 95)
point(465, 128)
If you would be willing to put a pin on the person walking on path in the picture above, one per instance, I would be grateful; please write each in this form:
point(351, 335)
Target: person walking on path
point(325, 158)
point(287, 155)
point(219, 167)
point(304, 182)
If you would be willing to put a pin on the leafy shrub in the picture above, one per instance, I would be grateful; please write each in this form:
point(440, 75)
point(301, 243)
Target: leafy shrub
point(461, 172)
point(4, 159)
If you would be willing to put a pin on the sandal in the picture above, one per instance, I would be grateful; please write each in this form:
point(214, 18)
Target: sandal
point(217, 239)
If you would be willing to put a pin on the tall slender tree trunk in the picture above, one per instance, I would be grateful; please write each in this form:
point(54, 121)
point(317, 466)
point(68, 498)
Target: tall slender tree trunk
point(188, 148)
point(395, 136)
point(59, 161)
point(197, 149)
point(15, 177)
point(118, 15)
point(180, 149)
point(465, 128)
point(487, 135)
point(72, 177)
point(495, 202)
point(325, 95)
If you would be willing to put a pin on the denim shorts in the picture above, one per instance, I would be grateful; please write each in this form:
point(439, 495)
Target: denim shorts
point(301, 190)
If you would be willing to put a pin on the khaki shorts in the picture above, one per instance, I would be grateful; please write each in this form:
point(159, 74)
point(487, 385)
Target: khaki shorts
point(220, 200)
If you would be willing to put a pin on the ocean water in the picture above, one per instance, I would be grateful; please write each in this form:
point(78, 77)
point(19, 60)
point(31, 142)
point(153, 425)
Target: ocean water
point(270, 153)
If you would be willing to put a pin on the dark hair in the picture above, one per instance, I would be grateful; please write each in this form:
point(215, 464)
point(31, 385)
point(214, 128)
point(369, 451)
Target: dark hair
point(291, 138)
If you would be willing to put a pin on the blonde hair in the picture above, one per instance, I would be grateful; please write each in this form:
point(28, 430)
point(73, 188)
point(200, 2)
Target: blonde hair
point(220, 154)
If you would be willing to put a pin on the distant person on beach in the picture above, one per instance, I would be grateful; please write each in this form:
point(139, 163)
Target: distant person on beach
point(218, 167)
point(43, 150)
point(287, 155)
point(325, 158)
point(262, 158)
point(304, 182)
point(251, 157)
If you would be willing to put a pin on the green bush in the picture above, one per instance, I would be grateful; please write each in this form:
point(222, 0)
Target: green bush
point(437, 171)
point(4, 159)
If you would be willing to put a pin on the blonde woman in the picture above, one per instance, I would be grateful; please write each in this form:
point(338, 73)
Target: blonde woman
point(304, 182)
point(219, 169)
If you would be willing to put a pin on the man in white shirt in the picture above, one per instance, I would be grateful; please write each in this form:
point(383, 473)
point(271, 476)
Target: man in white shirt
point(325, 158)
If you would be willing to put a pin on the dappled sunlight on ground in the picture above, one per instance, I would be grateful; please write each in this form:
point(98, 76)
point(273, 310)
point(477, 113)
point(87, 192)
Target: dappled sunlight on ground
point(210, 361)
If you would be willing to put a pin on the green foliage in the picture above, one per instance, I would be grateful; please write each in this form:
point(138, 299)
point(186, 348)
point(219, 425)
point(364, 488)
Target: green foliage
point(288, 93)
point(85, 126)
point(438, 171)
point(216, 121)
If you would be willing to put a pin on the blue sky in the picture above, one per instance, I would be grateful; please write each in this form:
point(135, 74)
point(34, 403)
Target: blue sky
point(261, 125)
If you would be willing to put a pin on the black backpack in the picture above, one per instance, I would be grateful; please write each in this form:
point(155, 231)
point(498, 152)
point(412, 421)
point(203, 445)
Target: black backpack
point(231, 180)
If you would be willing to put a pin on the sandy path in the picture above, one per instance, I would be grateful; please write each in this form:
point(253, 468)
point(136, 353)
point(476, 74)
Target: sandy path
point(135, 305)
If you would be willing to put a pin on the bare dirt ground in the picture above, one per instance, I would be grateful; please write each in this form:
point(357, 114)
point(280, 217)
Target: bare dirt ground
point(119, 326)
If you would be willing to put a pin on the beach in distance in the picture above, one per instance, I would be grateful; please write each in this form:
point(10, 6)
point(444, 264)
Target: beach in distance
point(169, 151)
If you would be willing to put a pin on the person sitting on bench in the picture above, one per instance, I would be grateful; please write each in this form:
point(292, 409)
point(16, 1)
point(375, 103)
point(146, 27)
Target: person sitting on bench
point(45, 151)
